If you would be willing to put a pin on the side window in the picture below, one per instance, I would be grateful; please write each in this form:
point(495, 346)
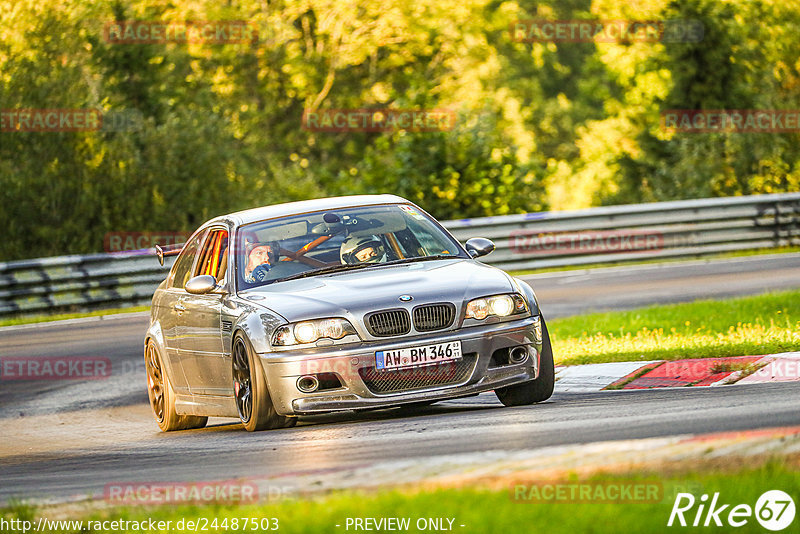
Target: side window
point(213, 258)
point(182, 270)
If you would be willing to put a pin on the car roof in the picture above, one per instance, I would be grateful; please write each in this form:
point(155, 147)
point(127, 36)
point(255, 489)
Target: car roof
point(306, 206)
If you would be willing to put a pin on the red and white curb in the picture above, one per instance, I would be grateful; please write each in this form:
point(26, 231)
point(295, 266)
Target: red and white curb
point(776, 368)
point(595, 376)
point(784, 367)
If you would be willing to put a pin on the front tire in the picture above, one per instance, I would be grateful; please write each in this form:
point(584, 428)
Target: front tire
point(162, 396)
point(539, 389)
point(253, 402)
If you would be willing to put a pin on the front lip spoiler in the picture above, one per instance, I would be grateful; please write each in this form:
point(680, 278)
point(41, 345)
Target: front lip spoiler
point(349, 401)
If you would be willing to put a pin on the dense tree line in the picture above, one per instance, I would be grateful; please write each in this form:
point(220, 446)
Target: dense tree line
point(213, 128)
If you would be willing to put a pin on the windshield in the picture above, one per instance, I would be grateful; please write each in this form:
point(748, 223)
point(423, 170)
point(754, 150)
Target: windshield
point(338, 240)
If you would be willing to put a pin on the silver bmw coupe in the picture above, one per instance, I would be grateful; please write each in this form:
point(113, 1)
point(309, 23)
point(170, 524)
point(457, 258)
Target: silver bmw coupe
point(347, 303)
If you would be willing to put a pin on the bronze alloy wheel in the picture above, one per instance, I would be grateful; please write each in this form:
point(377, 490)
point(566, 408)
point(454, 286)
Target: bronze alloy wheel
point(155, 382)
point(162, 397)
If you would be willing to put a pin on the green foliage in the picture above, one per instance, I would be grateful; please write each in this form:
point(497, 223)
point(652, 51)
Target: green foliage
point(460, 173)
point(746, 60)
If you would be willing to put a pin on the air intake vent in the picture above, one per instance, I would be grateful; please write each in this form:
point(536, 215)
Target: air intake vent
point(444, 374)
point(389, 323)
point(434, 316)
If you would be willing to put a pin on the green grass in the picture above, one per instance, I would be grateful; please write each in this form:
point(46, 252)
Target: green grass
point(61, 316)
point(486, 511)
point(761, 324)
point(720, 256)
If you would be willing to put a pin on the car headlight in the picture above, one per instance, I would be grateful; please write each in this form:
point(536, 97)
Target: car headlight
point(498, 305)
point(311, 331)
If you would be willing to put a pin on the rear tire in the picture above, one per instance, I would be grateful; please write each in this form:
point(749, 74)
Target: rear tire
point(162, 396)
point(253, 402)
point(537, 390)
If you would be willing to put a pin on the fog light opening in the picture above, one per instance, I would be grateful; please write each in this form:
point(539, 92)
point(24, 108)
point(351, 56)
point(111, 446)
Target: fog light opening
point(518, 355)
point(307, 384)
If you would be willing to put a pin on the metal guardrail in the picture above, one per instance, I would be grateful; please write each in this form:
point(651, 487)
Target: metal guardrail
point(612, 234)
point(650, 231)
point(85, 282)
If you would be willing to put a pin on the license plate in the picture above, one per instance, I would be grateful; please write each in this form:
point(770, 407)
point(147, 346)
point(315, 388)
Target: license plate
point(418, 356)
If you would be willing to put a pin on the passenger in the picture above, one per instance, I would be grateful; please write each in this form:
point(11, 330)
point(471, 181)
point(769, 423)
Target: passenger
point(364, 249)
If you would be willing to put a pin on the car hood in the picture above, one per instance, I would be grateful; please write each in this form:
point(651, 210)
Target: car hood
point(355, 293)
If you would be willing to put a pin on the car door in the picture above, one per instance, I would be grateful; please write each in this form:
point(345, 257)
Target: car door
point(207, 371)
point(172, 309)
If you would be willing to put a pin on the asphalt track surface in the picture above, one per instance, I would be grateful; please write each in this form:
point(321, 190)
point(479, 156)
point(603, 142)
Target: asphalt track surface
point(66, 439)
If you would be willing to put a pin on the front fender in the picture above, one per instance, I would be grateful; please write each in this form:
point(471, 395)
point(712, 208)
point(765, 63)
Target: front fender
point(258, 324)
point(155, 333)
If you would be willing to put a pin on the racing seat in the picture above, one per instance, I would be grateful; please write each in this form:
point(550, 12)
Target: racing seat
point(223, 265)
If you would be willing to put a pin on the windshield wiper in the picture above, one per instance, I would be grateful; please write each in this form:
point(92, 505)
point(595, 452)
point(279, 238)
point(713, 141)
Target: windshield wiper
point(419, 258)
point(353, 266)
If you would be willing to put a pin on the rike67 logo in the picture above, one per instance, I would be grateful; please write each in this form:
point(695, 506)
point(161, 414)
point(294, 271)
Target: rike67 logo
point(774, 510)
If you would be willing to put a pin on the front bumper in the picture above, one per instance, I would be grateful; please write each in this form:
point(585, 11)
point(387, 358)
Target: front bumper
point(351, 363)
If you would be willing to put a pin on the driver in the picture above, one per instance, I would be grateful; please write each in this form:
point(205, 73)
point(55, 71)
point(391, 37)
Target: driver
point(260, 258)
point(363, 249)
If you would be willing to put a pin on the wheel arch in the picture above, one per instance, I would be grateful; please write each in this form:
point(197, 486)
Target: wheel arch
point(527, 290)
point(257, 326)
point(156, 335)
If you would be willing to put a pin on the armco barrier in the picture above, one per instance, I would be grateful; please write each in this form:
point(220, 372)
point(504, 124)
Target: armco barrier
point(612, 234)
point(92, 281)
point(664, 229)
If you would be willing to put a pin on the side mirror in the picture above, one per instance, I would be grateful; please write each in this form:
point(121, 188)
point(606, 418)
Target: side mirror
point(479, 246)
point(200, 285)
